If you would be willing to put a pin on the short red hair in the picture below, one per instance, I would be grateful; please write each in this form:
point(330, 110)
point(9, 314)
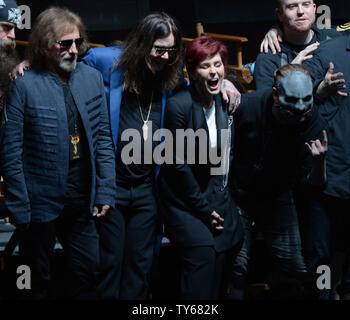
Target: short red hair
point(202, 48)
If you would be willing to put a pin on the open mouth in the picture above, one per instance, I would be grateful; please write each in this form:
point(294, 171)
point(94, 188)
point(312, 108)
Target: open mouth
point(213, 84)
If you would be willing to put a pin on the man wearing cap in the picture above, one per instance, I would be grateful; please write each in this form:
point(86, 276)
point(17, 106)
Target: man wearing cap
point(9, 18)
point(280, 142)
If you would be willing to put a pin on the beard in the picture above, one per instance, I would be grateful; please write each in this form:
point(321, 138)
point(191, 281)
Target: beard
point(68, 62)
point(303, 27)
point(8, 60)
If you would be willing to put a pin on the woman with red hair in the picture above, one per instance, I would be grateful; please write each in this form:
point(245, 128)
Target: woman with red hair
point(200, 215)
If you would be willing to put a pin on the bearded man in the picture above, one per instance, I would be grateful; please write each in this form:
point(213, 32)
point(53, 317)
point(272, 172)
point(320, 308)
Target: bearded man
point(9, 18)
point(57, 156)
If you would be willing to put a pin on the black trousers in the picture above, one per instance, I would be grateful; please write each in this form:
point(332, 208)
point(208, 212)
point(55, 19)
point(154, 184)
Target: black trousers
point(127, 239)
point(204, 273)
point(76, 231)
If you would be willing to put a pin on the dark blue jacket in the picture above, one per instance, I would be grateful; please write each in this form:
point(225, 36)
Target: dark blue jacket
point(35, 151)
point(336, 111)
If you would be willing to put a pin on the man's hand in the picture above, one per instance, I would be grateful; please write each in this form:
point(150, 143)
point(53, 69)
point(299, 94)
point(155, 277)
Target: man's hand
point(331, 84)
point(216, 222)
point(100, 210)
point(231, 95)
point(318, 149)
point(19, 69)
point(272, 40)
point(305, 54)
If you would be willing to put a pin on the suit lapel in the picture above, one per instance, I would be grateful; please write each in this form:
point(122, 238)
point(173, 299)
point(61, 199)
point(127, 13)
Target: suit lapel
point(221, 119)
point(198, 117)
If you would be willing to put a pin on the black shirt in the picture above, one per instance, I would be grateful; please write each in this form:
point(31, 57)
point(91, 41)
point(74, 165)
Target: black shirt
point(130, 118)
point(79, 173)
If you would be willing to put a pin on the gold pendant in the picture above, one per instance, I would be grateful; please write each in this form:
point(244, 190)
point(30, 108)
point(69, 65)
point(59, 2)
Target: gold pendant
point(145, 130)
point(75, 140)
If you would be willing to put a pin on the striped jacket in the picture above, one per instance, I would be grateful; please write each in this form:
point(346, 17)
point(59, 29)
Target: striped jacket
point(35, 146)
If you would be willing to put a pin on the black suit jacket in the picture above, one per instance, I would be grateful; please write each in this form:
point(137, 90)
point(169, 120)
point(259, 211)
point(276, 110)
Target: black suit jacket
point(189, 192)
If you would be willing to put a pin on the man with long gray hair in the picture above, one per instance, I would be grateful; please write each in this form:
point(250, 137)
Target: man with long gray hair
point(57, 156)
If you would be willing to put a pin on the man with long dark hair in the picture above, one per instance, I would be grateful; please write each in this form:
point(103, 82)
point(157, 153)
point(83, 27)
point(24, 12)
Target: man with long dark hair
point(139, 77)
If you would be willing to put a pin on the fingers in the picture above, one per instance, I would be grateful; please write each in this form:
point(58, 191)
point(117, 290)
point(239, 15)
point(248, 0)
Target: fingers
point(318, 148)
point(311, 47)
point(225, 96)
point(308, 146)
point(275, 45)
point(217, 221)
point(271, 45)
point(102, 213)
point(337, 76)
point(325, 138)
point(264, 47)
point(342, 94)
point(104, 210)
point(331, 68)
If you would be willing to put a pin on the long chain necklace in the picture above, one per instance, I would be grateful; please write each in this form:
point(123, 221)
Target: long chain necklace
point(145, 122)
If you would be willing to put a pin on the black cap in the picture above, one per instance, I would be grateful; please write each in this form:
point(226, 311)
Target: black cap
point(9, 11)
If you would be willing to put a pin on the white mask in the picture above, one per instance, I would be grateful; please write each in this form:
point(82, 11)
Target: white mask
point(295, 92)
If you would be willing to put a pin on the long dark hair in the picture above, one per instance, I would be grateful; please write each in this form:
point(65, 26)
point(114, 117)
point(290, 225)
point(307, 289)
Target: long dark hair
point(137, 49)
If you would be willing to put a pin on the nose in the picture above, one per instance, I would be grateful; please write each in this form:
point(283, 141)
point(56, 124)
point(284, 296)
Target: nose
point(11, 34)
point(165, 55)
point(300, 9)
point(212, 70)
point(73, 48)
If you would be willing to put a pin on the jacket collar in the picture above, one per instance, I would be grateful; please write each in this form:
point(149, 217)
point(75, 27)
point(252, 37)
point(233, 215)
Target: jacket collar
point(199, 121)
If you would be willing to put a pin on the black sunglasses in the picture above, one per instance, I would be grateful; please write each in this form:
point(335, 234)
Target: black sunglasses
point(161, 51)
point(67, 43)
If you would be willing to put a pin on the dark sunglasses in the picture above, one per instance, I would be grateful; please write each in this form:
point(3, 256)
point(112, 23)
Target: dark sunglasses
point(161, 51)
point(67, 43)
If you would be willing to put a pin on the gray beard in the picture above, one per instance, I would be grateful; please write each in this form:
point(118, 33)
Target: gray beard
point(68, 65)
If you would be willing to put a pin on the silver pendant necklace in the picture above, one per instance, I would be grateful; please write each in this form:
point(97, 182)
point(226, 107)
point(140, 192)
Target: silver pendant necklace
point(145, 122)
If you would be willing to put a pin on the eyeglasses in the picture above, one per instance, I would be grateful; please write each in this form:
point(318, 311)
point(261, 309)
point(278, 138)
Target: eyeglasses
point(67, 43)
point(160, 51)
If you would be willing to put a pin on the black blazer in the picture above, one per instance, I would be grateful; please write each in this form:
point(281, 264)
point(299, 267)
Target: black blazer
point(189, 192)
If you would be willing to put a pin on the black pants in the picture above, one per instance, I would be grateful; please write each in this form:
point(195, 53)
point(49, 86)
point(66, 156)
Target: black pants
point(325, 232)
point(127, 239)
point(76, 231)
point(204, 273)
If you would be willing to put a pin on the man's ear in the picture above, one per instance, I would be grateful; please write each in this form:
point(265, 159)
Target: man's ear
point(275, 96)
point(279, 14)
